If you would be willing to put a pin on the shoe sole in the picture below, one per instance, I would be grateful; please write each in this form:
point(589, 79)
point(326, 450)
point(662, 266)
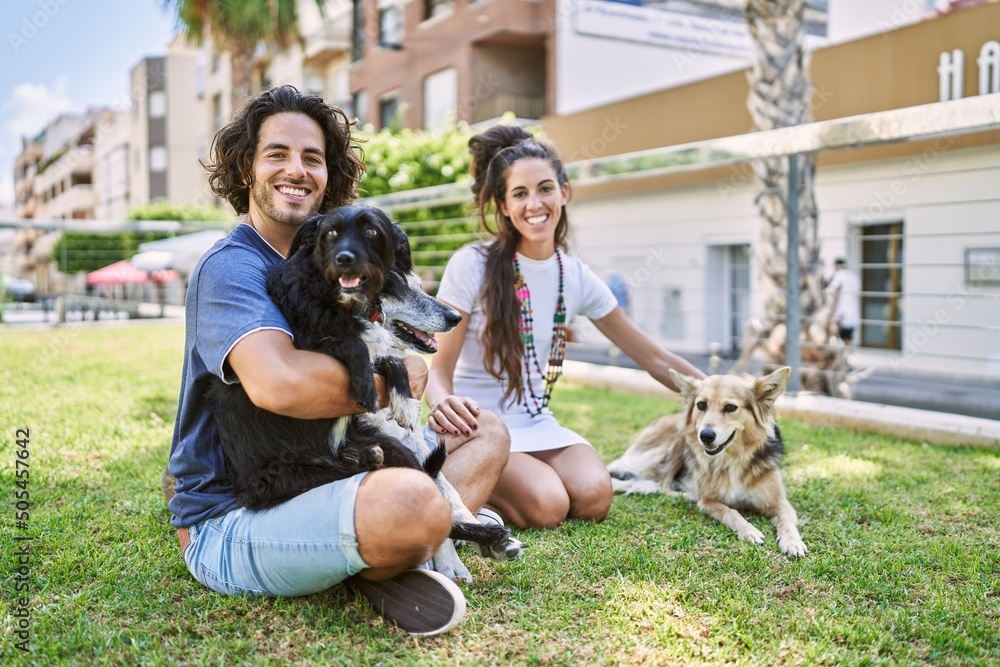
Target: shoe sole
point(419, 602)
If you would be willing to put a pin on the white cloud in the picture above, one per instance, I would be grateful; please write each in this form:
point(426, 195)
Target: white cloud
point(30, 107)
point(33, 105)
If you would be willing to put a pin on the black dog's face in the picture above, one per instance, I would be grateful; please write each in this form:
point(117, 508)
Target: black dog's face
point(354, 248)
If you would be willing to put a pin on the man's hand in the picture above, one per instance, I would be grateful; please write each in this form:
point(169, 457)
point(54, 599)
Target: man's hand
point(416, 369)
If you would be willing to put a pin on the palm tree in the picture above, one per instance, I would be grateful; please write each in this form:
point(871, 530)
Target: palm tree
point(237, 27)
point(780, 96)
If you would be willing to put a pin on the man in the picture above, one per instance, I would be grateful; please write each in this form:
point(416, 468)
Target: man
point(284, 157)
point(845, 289)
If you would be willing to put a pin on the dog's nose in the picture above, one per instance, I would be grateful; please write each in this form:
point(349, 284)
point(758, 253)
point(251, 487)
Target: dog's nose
point(707, 436)
point(344, 258)
point(452, 319)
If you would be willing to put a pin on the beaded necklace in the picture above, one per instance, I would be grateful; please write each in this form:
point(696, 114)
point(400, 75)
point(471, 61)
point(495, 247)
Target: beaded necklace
point(557, 352)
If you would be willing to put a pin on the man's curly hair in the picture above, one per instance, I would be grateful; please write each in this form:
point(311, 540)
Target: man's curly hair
point(234, 147)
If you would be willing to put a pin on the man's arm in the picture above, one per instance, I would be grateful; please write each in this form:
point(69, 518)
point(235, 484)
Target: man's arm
point(296, 383)
point(280, 378)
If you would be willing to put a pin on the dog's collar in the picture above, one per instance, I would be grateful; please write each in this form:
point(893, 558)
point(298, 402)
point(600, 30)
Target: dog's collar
point(377, 316)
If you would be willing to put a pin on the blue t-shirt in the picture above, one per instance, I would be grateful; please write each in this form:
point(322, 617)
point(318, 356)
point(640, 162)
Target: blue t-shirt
point(226, 300)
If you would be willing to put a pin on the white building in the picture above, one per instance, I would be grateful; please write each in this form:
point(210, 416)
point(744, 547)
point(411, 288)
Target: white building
point(919, 221)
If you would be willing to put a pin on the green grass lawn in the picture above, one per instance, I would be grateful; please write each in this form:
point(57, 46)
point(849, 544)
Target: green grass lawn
point(904, 539)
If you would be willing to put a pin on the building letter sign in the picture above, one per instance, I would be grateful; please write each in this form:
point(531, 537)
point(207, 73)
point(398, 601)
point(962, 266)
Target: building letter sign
point(989, 68)
point(951, 71)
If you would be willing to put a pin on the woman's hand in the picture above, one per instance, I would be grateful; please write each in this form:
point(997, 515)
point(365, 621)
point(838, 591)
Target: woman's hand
point(454, 414)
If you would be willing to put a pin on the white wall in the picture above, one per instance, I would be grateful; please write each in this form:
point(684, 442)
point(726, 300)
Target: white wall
point(592, 70)
point(660, 240)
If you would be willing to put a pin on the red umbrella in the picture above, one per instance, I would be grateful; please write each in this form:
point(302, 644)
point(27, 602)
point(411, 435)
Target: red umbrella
point(122, 273)
point(119, 273)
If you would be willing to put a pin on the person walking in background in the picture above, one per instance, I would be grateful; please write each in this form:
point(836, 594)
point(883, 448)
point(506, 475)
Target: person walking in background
point(517, 294)
point(845, 291)
point(618, 286)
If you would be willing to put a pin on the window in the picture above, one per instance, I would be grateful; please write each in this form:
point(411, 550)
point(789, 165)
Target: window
point(390, 24)
point(388, 109)
point(314, 84)
point(982, 267)
point(360, 103)
point(434, 8)
point(157, 104)
point(440, 98)
point(157, 158)
point(882, 286)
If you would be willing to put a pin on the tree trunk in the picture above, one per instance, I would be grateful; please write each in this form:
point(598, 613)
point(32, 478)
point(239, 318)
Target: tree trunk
point(780, 96)
point(241, 70)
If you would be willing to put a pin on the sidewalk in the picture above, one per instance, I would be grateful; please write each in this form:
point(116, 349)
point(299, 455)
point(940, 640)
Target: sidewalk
point(972, 397)
point(922, 425)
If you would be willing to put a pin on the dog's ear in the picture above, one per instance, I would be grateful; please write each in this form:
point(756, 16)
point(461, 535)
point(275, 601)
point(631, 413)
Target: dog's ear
point(401, 243)
point(687, 386)
point(767, 389)
point(306, 236)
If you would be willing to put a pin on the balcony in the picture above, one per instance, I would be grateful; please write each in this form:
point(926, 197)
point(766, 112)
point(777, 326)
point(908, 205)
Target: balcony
point(75, 161)
point(530, 107)
point(332, 40)
point(74, 202)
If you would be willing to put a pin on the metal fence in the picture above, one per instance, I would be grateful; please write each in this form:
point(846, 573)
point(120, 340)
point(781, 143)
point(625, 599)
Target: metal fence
point(945, 341)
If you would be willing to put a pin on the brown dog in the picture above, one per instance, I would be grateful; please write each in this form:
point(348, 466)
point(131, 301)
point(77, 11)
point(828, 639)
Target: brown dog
point(723, 452)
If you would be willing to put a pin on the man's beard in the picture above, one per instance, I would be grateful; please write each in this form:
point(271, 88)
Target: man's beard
point(263, 197)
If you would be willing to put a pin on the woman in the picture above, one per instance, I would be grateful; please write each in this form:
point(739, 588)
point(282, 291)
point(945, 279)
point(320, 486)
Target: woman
point(516, 295)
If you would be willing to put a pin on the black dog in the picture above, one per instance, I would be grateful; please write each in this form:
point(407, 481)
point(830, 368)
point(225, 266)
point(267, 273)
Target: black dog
point(342, 266)
point(339, 266)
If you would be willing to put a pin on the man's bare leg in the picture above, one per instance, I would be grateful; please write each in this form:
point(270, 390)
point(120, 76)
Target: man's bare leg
point(475, 461)
point(400, 519)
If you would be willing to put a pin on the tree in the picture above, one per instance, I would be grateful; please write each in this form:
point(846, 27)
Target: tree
point(236, 27)
point(780, 96)
point(405, 159)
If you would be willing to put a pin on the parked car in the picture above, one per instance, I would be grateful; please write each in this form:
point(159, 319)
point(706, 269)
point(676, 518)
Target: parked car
point(16, 289)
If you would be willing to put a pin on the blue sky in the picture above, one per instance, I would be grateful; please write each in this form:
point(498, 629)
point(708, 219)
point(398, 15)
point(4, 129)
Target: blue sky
point(68, 55)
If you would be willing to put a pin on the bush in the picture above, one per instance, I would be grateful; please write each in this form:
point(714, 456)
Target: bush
point(78, 252)
point(162, 210)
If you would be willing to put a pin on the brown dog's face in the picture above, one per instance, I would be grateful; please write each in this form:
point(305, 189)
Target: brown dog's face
point(721, 407)
point(355, 250)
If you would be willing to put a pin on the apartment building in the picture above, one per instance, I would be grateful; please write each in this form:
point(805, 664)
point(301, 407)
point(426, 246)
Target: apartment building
point(25, 170)
point(167, 129)
point(317, 64)
point(63, 180)
point(917, 220)
point(98, 164)
point(437, 61)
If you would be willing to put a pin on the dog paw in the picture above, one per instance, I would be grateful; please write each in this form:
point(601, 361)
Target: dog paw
point(792, 546)
point(630, 486)
point(369, 403)
point(509, 550)
point(751, 534)
point(447, 562)
point(373, 457)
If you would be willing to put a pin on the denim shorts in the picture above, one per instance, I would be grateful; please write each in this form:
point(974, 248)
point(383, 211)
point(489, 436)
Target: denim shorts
point(302, 546)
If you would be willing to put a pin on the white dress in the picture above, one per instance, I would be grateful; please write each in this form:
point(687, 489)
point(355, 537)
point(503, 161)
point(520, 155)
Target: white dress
point(585, 294)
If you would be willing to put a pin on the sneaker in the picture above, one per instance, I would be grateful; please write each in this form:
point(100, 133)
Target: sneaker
point(421, 602)
point(487, 517)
